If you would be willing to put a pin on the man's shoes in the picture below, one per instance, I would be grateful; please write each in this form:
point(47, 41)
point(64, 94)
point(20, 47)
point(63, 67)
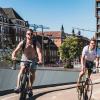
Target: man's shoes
point(17, 90)
point(30, 93)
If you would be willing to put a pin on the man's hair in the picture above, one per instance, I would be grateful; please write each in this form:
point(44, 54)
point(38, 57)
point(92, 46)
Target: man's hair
point(30, 30)
point(93, 39)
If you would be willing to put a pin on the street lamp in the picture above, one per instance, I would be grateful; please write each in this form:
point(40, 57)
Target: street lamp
point(50, 38)
point(42, 27)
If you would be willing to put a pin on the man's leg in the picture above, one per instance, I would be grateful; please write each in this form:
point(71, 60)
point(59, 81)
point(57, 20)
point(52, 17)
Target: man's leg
point(19, 75)
point(80, 75)
point(32, 78)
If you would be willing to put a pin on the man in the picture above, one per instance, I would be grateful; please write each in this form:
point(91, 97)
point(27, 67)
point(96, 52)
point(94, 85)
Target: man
point(29, 53)
point(89, 54)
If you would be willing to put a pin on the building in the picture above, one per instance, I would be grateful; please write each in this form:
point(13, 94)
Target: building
point(52, 40)
point(97, 14)
point(12, 27)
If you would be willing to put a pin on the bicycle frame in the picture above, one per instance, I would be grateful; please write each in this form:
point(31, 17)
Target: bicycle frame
point(25, 80)
point(86, 87)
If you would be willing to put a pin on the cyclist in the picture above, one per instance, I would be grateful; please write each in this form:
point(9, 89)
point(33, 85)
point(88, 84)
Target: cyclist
point(89, 55)
point(29, 53)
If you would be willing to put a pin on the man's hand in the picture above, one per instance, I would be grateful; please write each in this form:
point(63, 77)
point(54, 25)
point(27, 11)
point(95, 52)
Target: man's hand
point(14, 63)
point(39, 62)
point(14, 58)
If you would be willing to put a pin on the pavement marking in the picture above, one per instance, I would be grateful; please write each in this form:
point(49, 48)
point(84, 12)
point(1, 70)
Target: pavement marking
point(6, 98)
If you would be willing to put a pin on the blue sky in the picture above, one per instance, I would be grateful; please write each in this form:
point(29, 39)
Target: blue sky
point(54, 13)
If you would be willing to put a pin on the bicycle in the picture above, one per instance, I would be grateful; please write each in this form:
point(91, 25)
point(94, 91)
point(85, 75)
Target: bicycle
point(25, 79)
point(85, 87)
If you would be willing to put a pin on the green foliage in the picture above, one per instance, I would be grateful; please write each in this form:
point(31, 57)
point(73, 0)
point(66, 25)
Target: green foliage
point(5, 56)
point(70, 49)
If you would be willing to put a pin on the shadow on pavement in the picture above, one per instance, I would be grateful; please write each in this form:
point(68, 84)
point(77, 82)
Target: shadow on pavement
point(43, 93)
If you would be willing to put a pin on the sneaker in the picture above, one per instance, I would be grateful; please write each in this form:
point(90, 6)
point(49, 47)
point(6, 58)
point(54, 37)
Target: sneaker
point(17, 90)
point(30, 93)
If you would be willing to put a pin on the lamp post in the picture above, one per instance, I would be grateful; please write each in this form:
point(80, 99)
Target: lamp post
point(42, 27)
point(42, 45)
point(50, 38)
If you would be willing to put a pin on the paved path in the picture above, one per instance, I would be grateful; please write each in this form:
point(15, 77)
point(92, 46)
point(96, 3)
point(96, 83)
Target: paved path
point(65, 92)
point(96, 87)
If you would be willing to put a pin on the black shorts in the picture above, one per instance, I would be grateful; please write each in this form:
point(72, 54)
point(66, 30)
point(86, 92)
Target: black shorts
point(89, 65)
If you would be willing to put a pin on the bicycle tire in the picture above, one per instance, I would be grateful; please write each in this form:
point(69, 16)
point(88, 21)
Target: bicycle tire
point(80, 90)
point(88, 89)
point(23, 86)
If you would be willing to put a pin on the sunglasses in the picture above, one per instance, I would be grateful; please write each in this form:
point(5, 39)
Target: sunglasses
point(29, 33)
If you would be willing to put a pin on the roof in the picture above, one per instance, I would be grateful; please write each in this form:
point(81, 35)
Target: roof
point(12, 14)
point(2, 12)
point(50, 33)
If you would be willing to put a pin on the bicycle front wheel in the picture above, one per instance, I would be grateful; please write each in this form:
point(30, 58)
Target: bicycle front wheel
point(88, 89)
point(80, 90)
point(23, 86)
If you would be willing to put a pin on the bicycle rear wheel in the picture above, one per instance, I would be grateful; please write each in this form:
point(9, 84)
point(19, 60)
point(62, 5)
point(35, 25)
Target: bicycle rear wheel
point(88, 89)
point(23, 86)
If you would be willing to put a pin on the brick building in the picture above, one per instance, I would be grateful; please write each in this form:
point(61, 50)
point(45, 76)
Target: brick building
point(52, 40)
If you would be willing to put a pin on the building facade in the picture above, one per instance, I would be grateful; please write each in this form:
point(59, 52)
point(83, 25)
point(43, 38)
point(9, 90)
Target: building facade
point(97, 14)
point(12, 27)
point(52, 40)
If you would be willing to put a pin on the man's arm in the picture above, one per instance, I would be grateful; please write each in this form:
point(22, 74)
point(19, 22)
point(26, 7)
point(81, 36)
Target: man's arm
point(97, 62)
point(14, 53)
point(83, 57)
point(83, 61)
point(38, 49)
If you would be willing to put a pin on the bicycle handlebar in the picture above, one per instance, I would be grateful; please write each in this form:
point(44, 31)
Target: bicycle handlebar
point(18, 61)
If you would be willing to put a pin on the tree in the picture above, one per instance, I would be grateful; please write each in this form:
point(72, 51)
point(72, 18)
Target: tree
point(69, 50)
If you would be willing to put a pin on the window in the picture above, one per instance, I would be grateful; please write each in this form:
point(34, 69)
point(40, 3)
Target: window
point(98, 38)
point(98, 22)
point(99, 44)
point(98, 12)
point(98, 4)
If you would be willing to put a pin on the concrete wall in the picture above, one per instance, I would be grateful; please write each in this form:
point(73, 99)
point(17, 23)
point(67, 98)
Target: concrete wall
point(44, 76)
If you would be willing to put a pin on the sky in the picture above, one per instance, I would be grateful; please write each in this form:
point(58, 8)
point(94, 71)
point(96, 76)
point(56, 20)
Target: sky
point(55, 13)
